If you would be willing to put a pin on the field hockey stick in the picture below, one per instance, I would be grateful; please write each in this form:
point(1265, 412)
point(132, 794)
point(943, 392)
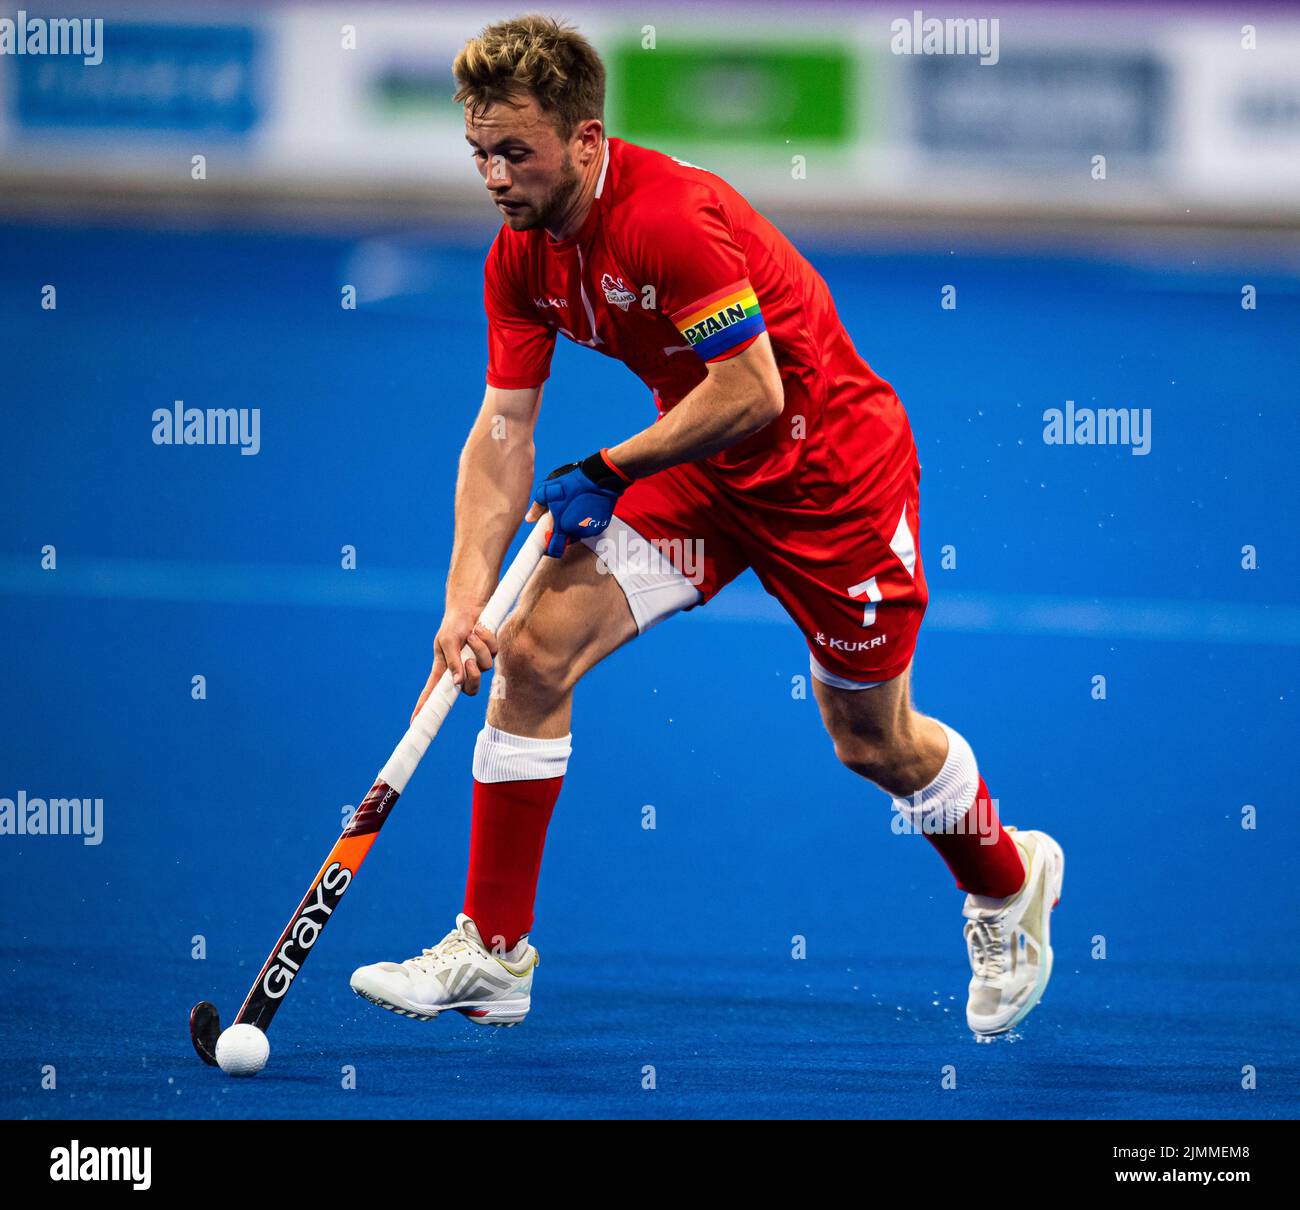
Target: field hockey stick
point(340, 867)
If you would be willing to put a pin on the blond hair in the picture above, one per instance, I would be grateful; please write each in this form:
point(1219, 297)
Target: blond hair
point(533, 56)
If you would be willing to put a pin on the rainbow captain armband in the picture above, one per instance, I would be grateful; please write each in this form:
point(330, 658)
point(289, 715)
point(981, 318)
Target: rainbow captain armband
point(715, 325)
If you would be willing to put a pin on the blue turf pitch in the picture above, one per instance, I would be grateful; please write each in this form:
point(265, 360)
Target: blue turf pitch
point(667, 949)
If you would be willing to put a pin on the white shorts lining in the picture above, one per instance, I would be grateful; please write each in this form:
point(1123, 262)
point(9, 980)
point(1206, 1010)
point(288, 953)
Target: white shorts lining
point(837, 682)
point(654, 588)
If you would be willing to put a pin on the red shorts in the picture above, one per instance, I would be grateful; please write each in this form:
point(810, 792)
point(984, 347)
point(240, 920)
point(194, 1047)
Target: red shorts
point(851, 578)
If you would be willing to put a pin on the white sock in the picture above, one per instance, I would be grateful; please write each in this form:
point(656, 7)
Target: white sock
point(941, 805)
point(500, 756)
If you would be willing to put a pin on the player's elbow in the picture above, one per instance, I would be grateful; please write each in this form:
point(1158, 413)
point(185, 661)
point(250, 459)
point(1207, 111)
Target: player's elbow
point(767, 394)
point(771, 403)
point(751, 383)
point(766, 401)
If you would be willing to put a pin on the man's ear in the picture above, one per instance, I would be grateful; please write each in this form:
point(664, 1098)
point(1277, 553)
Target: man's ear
point(589, 135)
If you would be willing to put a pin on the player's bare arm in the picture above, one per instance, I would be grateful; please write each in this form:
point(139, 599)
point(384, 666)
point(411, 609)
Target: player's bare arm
point(740, 396)
point(495, 474)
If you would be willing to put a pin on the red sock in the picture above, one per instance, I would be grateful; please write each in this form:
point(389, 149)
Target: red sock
point(982, 857)
point(507, 835)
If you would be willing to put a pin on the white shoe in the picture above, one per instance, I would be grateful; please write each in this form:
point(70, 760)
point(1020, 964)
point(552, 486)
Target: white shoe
point(459, 974)
point(1008, 940)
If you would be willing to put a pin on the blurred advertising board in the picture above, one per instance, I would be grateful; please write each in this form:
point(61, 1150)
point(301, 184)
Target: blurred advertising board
point(158, 78)
point(843, 106)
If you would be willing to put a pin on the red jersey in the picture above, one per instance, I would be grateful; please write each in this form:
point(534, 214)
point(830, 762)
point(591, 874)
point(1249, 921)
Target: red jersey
point(672, 269)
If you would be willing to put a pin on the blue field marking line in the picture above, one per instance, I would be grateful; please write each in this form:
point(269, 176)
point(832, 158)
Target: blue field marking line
point(1067, 617)
point(957, 612)
point(224, 583)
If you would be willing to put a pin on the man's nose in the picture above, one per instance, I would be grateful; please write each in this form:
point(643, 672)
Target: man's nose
point(497, 176)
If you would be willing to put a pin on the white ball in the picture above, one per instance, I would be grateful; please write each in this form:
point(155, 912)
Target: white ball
point(242, 1050)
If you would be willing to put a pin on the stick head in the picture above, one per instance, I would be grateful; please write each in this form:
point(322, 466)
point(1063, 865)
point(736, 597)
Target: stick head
point(205, 1029)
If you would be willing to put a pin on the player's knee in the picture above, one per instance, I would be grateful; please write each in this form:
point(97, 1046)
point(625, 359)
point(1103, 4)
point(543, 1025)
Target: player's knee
point(871, 756)
point(886, 757)
point(530, 660)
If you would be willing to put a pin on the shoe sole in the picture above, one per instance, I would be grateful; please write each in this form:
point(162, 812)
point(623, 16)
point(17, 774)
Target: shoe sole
point(1056, 878)
point(504, 1015)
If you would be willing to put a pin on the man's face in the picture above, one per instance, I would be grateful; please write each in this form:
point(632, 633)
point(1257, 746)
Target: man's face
point(527, 168)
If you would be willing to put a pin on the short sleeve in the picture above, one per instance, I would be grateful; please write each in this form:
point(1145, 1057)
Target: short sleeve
point(520, 345)
point(701, 278)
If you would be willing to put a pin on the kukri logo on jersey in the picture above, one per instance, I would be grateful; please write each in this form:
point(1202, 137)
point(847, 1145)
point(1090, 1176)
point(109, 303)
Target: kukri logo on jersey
point(304, 930)
point(834, 644)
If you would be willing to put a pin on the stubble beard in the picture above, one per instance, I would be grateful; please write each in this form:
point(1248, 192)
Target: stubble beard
point(551, 210)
